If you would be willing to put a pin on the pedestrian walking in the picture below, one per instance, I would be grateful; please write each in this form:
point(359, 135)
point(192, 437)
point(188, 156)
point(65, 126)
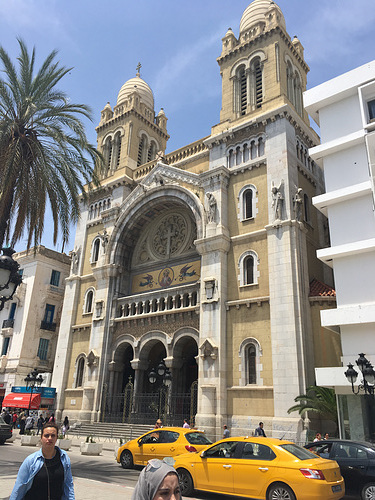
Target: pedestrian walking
point(52, 419)
point(318, 437)
point(65, 426)
point(157, 481)
point(326, 436)
point(40, 424)
point(259, 431)
point(14, 420)
point(22, 421)
point(226, 433)
point(7, 418)
point(186, 424)
point(29, 423)
point(46, 473)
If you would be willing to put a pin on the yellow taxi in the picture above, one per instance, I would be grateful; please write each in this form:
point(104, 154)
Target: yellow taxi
point(161, 443)
point(261, 468)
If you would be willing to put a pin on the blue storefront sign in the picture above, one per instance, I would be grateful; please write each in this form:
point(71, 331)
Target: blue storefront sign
point(45, 392)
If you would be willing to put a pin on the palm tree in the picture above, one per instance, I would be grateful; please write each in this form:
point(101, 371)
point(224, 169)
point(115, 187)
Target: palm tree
point(45, 157)
point(318, 400)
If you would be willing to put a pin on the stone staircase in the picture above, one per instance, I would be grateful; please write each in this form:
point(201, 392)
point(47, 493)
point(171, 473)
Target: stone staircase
point(109, 431)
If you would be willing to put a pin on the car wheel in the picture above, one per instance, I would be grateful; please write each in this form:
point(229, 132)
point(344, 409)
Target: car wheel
point(368, 492)
point(186, 482)
point(126, 459)
point(280, 491)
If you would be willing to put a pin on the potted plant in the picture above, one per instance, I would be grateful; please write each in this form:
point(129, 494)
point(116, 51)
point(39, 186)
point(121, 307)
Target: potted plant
point(63, 443)
point(29, 439)
point(90, 447)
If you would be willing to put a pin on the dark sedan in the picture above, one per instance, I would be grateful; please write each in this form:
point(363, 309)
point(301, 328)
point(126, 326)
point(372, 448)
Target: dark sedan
point(357, 464)
point(5, 431)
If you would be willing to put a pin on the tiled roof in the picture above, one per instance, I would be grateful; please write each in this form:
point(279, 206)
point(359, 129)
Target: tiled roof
point(317, 288)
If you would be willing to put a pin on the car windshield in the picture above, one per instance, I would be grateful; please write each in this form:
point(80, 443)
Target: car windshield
point(298, 452)
point(197, 438)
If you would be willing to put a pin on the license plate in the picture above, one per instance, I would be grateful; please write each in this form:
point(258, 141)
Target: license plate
point(336, 488)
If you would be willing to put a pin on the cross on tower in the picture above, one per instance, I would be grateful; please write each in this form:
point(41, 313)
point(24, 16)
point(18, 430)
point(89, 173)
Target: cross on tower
point(138, 68)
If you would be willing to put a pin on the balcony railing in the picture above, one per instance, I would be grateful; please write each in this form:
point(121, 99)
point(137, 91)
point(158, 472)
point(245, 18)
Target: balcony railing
point(45, 325)
point(172, 300)
point(8, 323)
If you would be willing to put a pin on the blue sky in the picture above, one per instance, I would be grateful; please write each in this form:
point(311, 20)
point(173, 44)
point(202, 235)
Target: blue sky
point(177, 44)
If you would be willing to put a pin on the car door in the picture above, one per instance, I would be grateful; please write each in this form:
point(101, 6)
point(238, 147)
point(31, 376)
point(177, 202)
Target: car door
point(146, 448)
point(166, 445)
point(214, 472)
point(353, 462)
point(254, 469)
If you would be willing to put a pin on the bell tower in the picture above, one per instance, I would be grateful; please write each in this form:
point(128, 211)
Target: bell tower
point(262, 69)
point(131, 134)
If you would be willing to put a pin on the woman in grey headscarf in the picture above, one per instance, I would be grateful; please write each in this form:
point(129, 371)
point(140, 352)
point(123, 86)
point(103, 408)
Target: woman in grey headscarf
point(157, 481)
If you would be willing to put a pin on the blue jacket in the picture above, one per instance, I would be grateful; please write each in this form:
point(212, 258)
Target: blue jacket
point(30, 468)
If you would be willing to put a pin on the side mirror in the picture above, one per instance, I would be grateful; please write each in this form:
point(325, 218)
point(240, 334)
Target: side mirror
point(140, 442)
point(203, 454)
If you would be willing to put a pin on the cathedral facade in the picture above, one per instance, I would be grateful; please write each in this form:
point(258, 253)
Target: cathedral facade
point(194, 289)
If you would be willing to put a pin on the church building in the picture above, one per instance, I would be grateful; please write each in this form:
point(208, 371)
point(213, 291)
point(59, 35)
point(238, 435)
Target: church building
point(195, 291)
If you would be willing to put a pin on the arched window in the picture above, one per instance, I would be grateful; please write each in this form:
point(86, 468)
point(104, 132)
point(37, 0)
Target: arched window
point(250, 353)
point(249, 270)
point(142, 149)
point(89, 300)
point(257, 83)
point(247, 202)
point(80, 371)
point(118, 148)
point(251, 364)
point(95, 250)
point(248, 267)
point(152, 151)
point(231, 158)
point(243, 90)
point(108, 152)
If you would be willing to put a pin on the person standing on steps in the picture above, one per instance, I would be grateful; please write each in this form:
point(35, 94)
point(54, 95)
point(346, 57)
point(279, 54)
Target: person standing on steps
point(259, 431)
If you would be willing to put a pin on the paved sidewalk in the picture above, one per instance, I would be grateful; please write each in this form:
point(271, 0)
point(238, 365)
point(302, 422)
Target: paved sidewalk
point(85, 489)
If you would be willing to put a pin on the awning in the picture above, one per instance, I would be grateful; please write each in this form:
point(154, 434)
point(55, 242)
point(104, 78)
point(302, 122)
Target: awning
point(18, 400)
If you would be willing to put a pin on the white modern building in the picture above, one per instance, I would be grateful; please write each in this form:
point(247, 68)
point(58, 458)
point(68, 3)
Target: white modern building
point(344, 108)
point(30, 322)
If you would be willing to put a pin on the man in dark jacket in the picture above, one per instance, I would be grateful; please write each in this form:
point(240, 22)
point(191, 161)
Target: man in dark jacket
point(259, 430)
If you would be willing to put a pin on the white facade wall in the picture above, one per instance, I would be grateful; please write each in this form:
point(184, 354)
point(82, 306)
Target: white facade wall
point(340, 108)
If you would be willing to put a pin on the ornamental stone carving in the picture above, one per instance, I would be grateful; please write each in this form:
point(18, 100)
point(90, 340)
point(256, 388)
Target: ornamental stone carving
point(170, 235)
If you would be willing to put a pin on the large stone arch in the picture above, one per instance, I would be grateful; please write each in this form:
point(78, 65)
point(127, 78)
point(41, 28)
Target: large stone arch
point(140, 209)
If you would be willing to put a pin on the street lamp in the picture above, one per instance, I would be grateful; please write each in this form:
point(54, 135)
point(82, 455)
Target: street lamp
point(32, 380)
point(368, 374)
point(164, 373)
point(9, 276)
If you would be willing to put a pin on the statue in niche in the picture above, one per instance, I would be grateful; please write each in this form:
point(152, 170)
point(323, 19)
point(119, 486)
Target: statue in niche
point(104, 237)
point(211, 207)
point(277, 200)
point(298, 204)
point(75, 255)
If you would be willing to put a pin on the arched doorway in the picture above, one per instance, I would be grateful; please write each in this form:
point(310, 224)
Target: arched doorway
point(118, 393)
point(185, 381)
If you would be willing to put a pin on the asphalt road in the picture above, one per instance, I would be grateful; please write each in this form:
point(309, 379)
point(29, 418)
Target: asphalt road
point(103, 469)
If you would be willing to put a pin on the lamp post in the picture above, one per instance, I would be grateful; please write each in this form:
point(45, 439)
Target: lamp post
point(164, 373)
point(367, 384)
point(32, 380)
point(9, 276)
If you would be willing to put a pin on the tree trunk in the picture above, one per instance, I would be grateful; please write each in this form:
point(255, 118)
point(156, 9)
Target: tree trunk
point(4, 220)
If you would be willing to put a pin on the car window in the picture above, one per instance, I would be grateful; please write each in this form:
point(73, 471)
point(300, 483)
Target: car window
point(322, 449)
point(254, 451)
point(152, 437)
point(298, 452)
point(222, 450)
point(346, 450)
point(168, 436)
point(197, 438)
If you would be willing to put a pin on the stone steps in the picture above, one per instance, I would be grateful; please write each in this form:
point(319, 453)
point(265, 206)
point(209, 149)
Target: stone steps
point(110, 431)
